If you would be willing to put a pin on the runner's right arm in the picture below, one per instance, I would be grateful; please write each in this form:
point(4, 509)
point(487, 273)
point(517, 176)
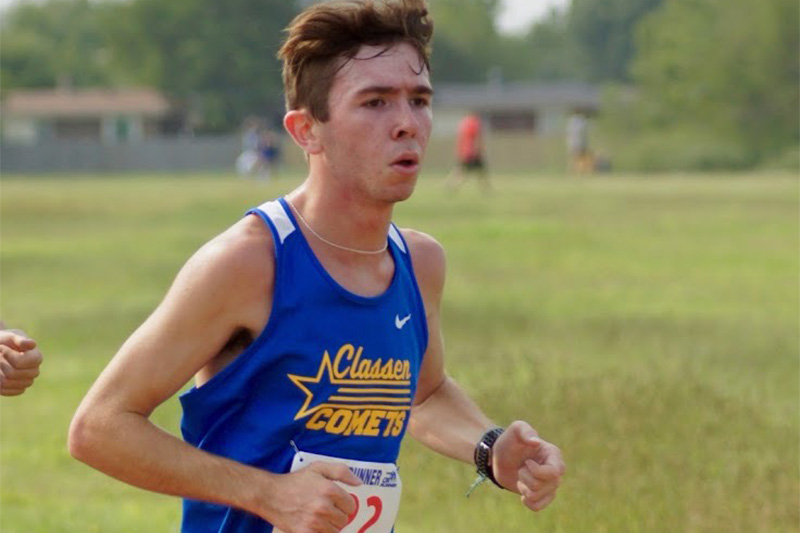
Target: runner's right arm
point(225, 287)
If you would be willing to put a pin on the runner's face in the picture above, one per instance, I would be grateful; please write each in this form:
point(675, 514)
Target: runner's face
point(380, 122)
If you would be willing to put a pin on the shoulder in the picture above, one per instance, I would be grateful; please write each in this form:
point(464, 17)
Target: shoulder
point(423, 247)
point(233, 260)
point(429, 260)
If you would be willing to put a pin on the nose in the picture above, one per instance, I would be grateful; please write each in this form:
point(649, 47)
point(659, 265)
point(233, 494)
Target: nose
point(406, 124)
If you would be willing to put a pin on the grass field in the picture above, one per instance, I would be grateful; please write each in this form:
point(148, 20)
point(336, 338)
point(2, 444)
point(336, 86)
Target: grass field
point(649, 326)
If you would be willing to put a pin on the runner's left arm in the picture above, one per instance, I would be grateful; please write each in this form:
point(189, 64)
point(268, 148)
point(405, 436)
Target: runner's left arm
point(447, 420)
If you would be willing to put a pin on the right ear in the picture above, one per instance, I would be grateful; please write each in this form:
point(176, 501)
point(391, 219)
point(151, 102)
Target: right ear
point(300, 125)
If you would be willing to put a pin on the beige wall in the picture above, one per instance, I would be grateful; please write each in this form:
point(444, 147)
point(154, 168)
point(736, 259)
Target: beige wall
point(19, 130)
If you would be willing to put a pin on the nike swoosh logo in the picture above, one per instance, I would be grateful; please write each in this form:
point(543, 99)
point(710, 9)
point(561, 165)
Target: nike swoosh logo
point(400, 322)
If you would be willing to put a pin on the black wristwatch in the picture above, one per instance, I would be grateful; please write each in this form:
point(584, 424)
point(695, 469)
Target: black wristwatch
point(483, 454)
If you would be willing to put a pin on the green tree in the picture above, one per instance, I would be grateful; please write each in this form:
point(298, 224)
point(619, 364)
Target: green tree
point(466, 42)
point(217, 56)
point(730, 66)
point(58, 41)
point(550, 52)
point(449, 63)
point(603, 33)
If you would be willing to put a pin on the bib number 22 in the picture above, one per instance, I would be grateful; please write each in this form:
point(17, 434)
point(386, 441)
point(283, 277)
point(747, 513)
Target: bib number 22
point(376, 506)
point(377, 499)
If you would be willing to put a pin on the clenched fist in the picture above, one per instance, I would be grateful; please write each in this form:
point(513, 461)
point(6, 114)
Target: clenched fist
point(525, 464)
point(19, 362)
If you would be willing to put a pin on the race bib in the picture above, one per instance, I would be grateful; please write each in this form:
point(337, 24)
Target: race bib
point(377, 498)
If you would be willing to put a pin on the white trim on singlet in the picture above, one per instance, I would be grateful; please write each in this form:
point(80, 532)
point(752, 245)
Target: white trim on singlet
point(285, 227)
point(280, 219)
point(394, 234)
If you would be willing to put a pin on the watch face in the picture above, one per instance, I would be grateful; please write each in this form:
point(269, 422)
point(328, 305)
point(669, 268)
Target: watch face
point(487, 441)
point(483, 453)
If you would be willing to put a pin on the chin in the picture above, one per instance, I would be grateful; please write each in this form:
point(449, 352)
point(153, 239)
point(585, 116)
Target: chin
point(403, 197)
point(402, 191)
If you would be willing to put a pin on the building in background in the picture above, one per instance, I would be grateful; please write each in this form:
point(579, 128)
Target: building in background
point(525, 108)
point(140, 130)
point(104, 130)
point(524, 122)
point(109, 116)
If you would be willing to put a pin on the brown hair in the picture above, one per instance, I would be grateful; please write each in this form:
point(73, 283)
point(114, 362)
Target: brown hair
point(324, 34)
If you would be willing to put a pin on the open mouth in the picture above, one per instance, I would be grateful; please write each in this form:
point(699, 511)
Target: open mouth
point(407, 161)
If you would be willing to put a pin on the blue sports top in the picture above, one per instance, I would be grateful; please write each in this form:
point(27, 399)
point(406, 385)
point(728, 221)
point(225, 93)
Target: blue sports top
point(333, 373)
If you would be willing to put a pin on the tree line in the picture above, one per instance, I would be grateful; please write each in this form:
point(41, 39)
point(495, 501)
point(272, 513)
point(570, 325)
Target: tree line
point(680, 74)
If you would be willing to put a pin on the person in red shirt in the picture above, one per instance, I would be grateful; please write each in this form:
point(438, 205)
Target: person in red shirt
point(469, 152)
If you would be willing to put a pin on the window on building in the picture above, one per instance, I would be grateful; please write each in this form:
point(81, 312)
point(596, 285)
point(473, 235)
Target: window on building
point(522, 121)
point(77, 128)
point(122, 129)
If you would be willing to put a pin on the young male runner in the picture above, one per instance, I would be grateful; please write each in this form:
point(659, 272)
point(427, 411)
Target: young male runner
point(312, 325)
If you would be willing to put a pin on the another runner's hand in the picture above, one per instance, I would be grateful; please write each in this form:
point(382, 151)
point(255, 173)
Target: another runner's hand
point(19, 362)
point(309, 500)
point(525, 464)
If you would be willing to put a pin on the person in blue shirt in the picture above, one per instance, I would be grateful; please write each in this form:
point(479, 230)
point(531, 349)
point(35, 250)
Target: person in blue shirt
point(312, 325)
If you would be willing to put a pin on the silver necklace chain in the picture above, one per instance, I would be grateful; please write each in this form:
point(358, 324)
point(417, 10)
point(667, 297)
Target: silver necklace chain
point(329, 243)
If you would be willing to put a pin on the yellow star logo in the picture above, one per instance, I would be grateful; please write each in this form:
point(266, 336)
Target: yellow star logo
point(388, 395)
point(300, 381)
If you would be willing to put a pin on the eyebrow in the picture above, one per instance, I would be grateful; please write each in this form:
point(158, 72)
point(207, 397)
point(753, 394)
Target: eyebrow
point(381, 89)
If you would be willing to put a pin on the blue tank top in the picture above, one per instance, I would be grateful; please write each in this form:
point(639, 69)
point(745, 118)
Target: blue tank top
point(333, 373)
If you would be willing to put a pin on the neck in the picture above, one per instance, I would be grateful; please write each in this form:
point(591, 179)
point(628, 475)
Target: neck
point(340, 220)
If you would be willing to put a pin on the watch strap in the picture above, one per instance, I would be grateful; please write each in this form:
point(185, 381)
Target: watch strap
point(483, 454)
